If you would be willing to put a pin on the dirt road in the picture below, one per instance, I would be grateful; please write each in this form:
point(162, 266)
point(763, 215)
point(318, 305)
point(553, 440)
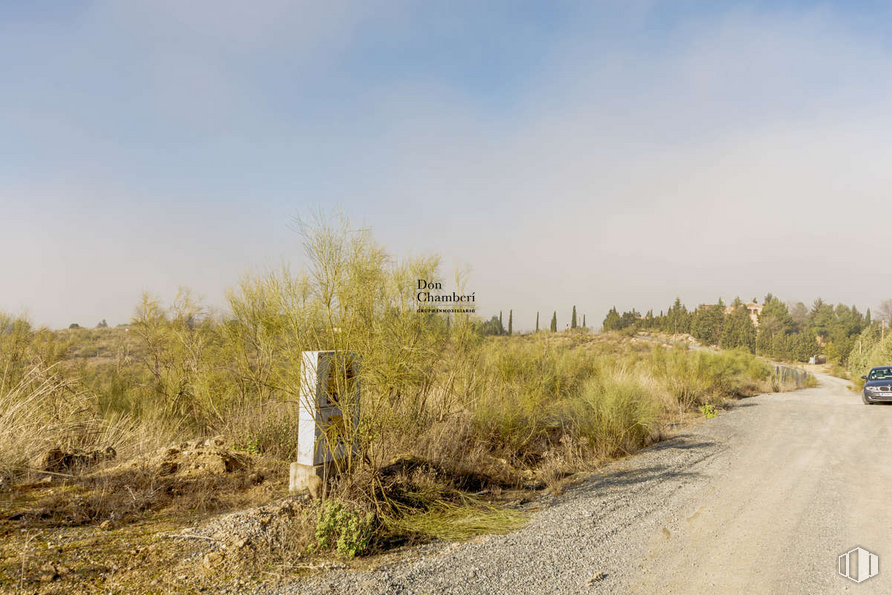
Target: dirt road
point(761, 499)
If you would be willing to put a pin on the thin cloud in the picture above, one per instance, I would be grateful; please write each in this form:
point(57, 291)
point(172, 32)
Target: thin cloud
point(721, 153)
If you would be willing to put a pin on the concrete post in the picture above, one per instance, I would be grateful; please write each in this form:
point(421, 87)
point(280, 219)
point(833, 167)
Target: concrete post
point(329, 384)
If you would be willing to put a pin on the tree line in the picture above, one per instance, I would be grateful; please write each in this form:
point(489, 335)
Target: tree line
point(792, 332)
point(495, 325)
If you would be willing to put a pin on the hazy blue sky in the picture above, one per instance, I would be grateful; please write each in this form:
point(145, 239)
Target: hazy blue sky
point(571, 153)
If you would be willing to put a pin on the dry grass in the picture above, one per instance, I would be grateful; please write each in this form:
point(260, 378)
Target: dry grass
point(452, 422)
point(457, 521)
point(46, 410)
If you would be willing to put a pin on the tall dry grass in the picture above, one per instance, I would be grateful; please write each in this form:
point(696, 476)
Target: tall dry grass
point(44, 410)
point(482, 413)
point(38, 411)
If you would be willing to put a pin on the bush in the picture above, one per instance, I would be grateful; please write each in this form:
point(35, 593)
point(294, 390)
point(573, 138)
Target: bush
point(708, 411)
point(616, 415)
point(346, 530)
point(484, 412)
point(268, 432)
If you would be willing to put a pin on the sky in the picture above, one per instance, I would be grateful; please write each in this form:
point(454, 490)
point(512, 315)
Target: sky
point(569, 153)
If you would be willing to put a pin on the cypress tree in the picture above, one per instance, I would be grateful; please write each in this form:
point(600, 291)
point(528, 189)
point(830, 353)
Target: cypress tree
point(706, 324)
point(501, 328)
point(612, 321)
point(510, 321)
point(554, 322)
point(573, 318)
point(738, 330)
point(583, 321)
point(537, 322)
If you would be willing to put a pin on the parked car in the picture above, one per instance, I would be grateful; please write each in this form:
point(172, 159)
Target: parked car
point(877, 385)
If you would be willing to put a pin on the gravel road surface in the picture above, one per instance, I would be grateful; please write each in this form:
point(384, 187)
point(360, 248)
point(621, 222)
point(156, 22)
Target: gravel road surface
point(761, 499)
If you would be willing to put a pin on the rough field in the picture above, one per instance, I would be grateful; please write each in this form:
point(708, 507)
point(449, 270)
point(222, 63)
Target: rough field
point(153, 474)
point(120, 528)
point(761, 499)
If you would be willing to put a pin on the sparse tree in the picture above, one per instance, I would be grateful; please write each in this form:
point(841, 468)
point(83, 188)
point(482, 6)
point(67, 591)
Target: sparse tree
point(491, 327)
point(738, 329)
point(799, 313)
point(822, 317)
point(706, 323)
point(884, 311)
point(678, 319)
point(102, 324)
point(613, 321)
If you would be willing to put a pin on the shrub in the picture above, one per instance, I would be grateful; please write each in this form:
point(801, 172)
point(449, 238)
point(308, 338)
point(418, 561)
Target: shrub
point(615, 414)
point(39, 412)
point(483, 412)
point(265, 431)
point(346, 530)
point(708, 411)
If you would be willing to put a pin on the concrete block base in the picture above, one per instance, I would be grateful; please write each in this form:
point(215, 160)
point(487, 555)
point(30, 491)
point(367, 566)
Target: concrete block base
point(306, 477)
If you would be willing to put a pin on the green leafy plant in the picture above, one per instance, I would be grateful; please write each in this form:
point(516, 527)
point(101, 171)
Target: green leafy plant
point(345, 529)
point(708, 411)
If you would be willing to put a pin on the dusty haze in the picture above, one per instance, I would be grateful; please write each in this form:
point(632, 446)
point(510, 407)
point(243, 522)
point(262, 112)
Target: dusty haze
point(569, 155)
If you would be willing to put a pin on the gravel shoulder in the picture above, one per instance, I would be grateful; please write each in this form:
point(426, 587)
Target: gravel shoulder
point(761, 499)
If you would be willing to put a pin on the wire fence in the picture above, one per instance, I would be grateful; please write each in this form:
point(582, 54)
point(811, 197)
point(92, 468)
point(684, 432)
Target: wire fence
point(788, 374)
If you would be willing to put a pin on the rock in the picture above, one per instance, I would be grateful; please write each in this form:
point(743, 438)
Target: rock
point(211, 559)
point(405, 464)
point(217, 441)
point(48, 573)
point(534, 485)
point(167, 468)
point(52, 460)
point(228, 463)
point(598, 577)
point(57, 460)
point(106, 525)
point(205, 456)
